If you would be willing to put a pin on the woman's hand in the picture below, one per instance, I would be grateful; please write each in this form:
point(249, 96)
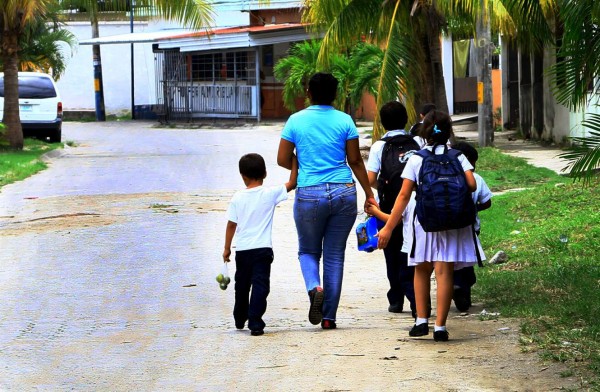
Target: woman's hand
point(370, 200)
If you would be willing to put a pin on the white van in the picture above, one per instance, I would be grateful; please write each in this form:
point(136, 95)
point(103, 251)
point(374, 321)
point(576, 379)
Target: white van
point(40, 106)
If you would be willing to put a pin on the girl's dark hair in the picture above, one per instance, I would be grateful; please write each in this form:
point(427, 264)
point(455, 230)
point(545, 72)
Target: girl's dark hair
point(322, 88)
point(437, 127)
point(253, 166)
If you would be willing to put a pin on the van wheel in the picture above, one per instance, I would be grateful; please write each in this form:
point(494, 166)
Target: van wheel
point(55, 136)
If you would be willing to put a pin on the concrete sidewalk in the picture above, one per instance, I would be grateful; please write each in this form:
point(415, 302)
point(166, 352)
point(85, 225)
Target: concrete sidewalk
point(507, 141)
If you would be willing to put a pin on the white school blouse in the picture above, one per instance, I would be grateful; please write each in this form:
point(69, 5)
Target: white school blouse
point(453, 246)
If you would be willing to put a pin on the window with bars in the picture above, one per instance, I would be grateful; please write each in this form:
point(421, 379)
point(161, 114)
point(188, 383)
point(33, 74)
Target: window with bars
point(229, 66)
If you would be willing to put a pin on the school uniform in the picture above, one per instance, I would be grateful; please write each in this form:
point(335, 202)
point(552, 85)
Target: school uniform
point(456, 246)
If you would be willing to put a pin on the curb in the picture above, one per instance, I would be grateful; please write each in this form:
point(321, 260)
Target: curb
point(50, 155)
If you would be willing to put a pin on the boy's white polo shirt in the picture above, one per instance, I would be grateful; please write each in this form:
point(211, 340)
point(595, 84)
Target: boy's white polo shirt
point(252, 210)
point(374, 161)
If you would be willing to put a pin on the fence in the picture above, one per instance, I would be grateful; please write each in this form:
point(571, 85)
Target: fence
point(191, 86)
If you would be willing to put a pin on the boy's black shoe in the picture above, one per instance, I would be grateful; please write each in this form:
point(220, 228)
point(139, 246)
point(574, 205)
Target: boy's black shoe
point(462, 299)
point(419, 330)
point(395, 308)
point(440, 336)
point(315, 312)
point(240, 324)
point(257, 332)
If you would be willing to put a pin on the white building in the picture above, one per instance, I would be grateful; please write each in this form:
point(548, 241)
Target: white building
point(236, 56)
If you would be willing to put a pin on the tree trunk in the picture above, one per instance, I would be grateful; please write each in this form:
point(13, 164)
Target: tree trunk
point(14, 131)
point(484, 77)
point(98, 86)
point(433, 88)
point(435, 57)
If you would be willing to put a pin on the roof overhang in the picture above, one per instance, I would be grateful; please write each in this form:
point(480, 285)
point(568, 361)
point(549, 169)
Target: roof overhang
point(217, 39)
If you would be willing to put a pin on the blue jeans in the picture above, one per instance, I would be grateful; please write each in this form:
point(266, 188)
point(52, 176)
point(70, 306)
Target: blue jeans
point(324, 216)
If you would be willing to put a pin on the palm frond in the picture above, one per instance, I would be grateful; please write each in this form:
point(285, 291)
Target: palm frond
point(578, 63)
point(584, 159)
point(197, 14)
point(295, 69)
point(395, 82)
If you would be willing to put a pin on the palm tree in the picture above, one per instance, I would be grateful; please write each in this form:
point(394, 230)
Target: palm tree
point(380, 23)
point(194, 13)
point(296, 69)
point(354, 70)
point(575, 78)
point(45, 49)
point(15, 16)
point(410, 32)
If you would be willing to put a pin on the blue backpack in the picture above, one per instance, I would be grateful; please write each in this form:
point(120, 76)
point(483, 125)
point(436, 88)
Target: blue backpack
point(444, 201)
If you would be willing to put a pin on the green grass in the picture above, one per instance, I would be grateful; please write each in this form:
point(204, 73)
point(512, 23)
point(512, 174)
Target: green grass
point(552, 285)
point(502, 172)
point(18, 165)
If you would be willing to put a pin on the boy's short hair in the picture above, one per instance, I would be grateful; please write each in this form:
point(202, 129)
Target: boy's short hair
point(468, 151)
point(393, 116)
point(426, 108)
point(323, 88)
point(253, 166)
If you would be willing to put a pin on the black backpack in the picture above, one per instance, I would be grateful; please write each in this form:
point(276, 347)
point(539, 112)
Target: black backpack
point(394, 155)
point(444, 201)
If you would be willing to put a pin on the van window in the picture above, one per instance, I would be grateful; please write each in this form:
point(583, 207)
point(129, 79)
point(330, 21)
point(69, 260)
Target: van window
point(32, 87)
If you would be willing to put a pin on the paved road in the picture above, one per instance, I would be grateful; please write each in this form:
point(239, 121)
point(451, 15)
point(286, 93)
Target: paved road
point(97, 252)
point(107, 283)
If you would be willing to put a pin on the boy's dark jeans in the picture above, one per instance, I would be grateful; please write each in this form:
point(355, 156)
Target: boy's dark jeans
point(399, 274)
point(253, 270)
point(465, 278)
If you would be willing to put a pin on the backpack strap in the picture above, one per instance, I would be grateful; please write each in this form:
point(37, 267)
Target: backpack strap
point(414, 240)
point(479, 262)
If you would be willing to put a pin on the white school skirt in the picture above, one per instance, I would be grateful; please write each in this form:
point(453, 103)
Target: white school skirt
point(452, 246)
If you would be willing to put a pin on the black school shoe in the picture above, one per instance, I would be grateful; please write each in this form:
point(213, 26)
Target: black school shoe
point(440, 336)
point(419, 330)
point(257, 332)
point(395, 308)
point(315, 312)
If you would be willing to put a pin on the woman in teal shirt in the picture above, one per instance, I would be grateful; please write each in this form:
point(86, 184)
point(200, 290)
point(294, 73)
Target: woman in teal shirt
point(326, 144)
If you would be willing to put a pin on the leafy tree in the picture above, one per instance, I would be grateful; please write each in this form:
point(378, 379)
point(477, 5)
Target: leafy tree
point(15, 17)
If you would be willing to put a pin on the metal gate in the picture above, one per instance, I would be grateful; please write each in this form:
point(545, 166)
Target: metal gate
point(206, 85)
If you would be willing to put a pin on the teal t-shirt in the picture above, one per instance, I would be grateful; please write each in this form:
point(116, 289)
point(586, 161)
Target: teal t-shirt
point(320, 133)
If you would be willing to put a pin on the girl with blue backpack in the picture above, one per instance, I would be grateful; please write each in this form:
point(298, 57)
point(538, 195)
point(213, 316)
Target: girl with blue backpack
point(443, 236)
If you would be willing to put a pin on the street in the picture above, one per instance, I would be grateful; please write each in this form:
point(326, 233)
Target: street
point(107, 282)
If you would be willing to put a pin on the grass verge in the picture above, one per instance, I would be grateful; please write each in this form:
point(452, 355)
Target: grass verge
point(551, 235)
point(18, 165)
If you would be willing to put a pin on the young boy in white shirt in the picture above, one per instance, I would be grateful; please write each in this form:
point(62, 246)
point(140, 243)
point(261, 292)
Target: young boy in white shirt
point(465, 278)
point(250, 216)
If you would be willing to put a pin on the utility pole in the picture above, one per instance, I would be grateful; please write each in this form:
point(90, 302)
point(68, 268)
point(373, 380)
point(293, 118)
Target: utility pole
point(485, 123)
point(132, 3)
point(97, 59)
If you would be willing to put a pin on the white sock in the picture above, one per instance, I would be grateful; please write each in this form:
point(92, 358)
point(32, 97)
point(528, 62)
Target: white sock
point(438, 328)
point(420, 321)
